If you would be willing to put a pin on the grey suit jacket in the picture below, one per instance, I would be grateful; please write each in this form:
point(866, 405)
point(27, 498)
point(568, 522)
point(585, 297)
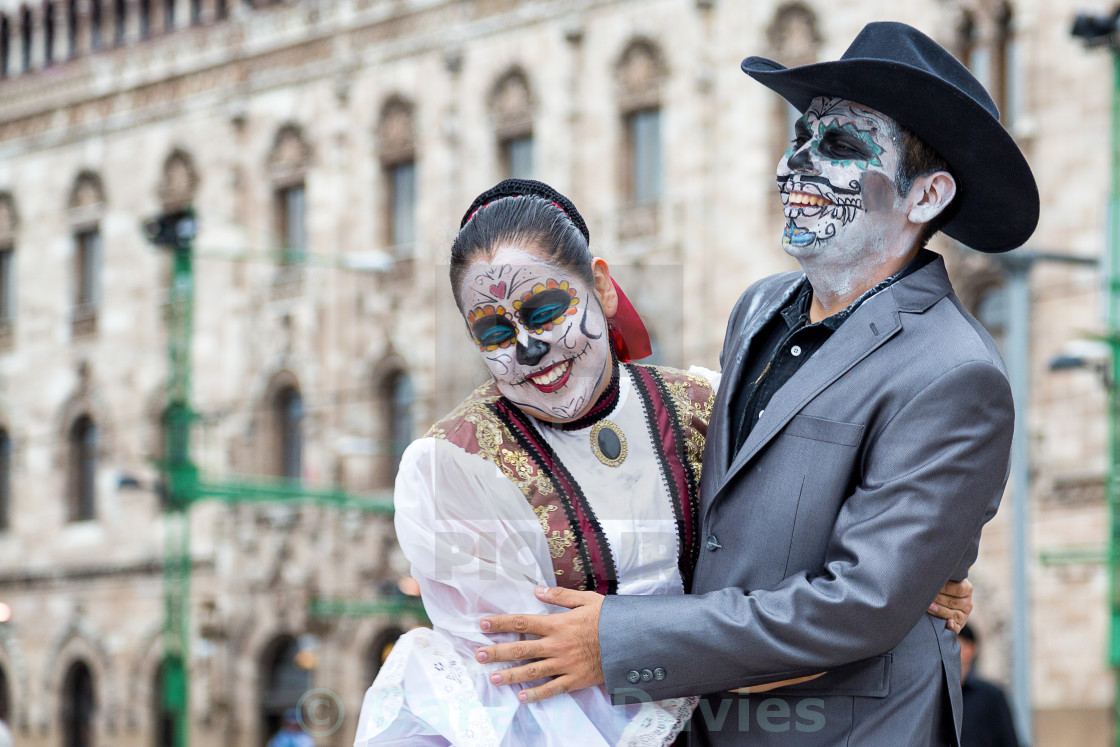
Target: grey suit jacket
point(860, 491)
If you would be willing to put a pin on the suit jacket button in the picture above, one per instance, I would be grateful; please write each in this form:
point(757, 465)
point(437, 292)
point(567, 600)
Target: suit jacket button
point(647, 675)
point(659, 674)
point(713, 543)
point(632, 676)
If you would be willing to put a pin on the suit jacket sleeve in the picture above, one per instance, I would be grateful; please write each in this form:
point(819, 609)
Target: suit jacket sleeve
point(931, 475)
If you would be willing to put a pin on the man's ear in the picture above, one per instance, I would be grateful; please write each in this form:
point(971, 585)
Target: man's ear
point(604, 288)
point(929, 195)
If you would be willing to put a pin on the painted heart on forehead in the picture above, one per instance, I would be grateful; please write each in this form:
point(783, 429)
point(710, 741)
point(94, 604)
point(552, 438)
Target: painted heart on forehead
point(540, 330)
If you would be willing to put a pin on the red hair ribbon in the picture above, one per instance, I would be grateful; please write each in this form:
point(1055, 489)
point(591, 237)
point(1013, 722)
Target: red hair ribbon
point(627, 332)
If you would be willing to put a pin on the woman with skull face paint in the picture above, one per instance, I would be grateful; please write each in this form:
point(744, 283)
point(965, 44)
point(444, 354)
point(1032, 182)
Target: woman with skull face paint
point(573, 467)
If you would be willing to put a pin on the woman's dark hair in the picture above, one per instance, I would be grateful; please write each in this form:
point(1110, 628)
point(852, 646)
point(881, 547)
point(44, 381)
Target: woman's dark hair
point(524, 213)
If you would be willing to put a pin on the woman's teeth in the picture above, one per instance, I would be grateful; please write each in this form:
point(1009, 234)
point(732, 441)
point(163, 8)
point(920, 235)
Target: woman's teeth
point(550, 375)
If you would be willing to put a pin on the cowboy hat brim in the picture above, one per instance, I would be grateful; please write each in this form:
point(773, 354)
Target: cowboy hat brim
point(997, 195)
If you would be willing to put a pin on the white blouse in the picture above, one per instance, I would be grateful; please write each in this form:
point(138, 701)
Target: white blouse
point(477, 548)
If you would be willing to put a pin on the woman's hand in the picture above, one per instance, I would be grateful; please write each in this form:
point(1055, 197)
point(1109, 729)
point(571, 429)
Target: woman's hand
point(953, 604)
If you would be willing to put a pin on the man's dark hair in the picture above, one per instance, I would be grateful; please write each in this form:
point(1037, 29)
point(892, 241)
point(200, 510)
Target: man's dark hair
point(529, 222)
point(919, 159)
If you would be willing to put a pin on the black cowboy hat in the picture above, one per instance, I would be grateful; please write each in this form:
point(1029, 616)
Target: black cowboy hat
point(902, 73)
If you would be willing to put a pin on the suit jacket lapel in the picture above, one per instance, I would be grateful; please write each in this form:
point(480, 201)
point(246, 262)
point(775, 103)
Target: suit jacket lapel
point(872, 324)
point(718, 455)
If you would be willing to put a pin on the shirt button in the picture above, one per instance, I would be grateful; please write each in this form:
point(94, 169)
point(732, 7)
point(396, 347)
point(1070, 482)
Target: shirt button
point(795, 350)
point(632, 676)
point(647, 675)
point(713, 543)
point(760, 413)
point(659, 674)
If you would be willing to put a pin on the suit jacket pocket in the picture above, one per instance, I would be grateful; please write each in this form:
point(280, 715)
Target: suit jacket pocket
point(822, 429)
point(869, 678)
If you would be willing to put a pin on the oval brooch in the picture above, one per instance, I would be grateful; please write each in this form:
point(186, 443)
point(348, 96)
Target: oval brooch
point(608, 443)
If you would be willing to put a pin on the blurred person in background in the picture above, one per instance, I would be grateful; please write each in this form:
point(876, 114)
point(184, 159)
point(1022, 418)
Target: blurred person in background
point(987, 717)
point(291, 734)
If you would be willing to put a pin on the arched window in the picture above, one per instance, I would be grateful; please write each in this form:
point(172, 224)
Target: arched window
point(289, 418)
point(9, 224)
point(511, 108)
point(96, 18)
point(640, 77)
point(83, 469)
point(49, 24)
point(1005, 56)
point(71, 29)
point(400, 400)
point(196, 12)
point(79, 704)
point(145, 7)
point(179, 183)
point(283, 681)
point(87, 204)
point(26, 35)
point(5, 45)
point(120, 21)
point(5, 480)
point(287, 164)
point(397, 150)
point(794, 41)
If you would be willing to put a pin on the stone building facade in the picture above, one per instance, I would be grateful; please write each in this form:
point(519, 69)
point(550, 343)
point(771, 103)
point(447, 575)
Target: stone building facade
point(328, 149)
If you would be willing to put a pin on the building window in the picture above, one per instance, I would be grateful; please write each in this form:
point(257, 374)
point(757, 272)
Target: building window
point(49, 24)
point(8, 225)
point(283, 682)
point(401, 400)
point(640, 76)
point(287, 163)
point(511, 109)
point(643, 129)
point(169, 15)
point(220, 9)
point(1007, 82)
point(79, 703)
point(95, 21)
point(83, 469)
point(145, 18)
point(793, 39)
point(5, 45)
point(71, 29)
point(87, 269)
point(290, 212)
point(120, 21)
point(398, 166)
point(517, 157)
point(402, 203)
point(25, 37)
point(5, 480)
point(289, 417)
point(196, 12)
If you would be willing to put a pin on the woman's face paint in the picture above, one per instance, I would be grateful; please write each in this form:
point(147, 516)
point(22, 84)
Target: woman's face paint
point(540, 330)
point(841, 166)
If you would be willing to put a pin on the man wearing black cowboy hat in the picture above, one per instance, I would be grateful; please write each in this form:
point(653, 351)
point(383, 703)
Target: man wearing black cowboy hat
point(859, 440)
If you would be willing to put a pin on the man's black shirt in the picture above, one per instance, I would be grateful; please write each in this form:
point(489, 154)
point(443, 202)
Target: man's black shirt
point(784, 343)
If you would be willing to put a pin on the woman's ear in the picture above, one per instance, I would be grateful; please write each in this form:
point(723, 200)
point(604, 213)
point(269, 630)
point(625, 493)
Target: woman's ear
point(604, 288)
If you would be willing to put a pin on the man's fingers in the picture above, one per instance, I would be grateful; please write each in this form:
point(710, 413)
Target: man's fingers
point(530, 672)
point(569, 598)
point(957, 589)
point(514, 624)
point(515, 651)
point(558, 686)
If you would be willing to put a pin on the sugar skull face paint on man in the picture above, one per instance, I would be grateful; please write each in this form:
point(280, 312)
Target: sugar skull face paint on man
point(540, 331)
point(842, 165)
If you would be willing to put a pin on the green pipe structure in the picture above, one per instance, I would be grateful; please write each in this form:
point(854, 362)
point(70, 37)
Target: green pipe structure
point(184, 487)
